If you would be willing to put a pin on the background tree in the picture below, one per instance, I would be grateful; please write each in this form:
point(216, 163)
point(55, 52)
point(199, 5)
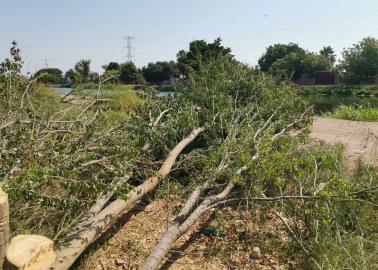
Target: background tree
point(160, 71)
point(112, 71)
point(111, 66)
point(10, 69)
point(360, 62)
point(199, 52)
point(329, 53)
point(289, 61)
point(314, 62)
point(71, 77)
point(94, 77)
point(129, 73)
point(49, 75)
point(280, 51)
point(288, 67)
point(83, 68)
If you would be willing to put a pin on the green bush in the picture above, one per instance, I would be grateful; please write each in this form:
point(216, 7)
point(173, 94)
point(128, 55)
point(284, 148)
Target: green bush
point(355, 113)
point(339, 90)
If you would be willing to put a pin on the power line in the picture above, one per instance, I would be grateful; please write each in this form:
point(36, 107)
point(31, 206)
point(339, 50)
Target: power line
point(128, 46)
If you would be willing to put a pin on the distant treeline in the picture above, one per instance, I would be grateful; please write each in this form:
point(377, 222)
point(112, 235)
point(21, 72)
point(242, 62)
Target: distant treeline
point(359, 64)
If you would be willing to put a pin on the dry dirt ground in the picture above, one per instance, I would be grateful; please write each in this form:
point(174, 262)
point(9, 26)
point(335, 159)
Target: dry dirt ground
point(130, 246)
point(360, 138)
point(131, 243)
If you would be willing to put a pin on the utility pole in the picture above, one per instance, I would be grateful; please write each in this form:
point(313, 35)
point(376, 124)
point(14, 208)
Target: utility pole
point(129, 47)
point(46, 62)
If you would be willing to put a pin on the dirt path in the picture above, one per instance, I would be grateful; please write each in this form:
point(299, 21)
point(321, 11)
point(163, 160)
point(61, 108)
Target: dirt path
point(360, 138)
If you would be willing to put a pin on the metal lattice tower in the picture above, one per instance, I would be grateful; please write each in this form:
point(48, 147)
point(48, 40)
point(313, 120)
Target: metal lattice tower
point(46, 62)
point(129, 47)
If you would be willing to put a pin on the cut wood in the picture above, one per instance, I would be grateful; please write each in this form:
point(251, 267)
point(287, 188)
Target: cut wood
point(177, 229)
point(30, 252)
point(86, 235)
point(4, 225)
point(98, 206)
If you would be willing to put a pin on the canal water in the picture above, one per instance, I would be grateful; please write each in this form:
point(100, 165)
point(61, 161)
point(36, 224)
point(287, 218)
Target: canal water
point(67, 90)
point(322, 103)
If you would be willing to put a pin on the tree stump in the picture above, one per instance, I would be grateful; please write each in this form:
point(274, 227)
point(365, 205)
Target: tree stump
point(4, 225)
point(30, 252)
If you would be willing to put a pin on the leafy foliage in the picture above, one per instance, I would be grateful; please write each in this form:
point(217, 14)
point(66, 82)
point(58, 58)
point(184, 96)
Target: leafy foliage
point(200, 52)
point(279, 51)
point(57, 158)
point(49, 75)
point(160, 71)
point(111, 66)
point(355, 113)
point(329, 53)
point(129, 73)
point(83, 69)
point(291, 61)
point(360, 62)
point(315, 62)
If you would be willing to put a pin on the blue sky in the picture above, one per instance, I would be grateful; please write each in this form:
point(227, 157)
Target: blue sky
point(65, 31)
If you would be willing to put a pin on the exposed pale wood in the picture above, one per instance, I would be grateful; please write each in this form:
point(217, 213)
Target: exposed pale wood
point(159, 117)
point(98, 206)
point(98, 224)
point(4, 225)
point(176, 229)
point(30, 252)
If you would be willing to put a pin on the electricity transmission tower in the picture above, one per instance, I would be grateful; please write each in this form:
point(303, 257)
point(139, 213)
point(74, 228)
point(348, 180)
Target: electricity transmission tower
point(46, 62)
point(129, 47)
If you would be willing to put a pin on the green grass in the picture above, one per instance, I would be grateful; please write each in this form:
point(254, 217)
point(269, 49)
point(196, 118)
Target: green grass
point(339, 90)
point(122, 102)
point(355, 113)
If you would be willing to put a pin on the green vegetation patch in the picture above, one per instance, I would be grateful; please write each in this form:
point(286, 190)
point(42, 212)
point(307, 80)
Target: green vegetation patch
point(360, 90)
point(355, 113)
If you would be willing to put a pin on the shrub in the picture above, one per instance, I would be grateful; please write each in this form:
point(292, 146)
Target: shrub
point(355, 113)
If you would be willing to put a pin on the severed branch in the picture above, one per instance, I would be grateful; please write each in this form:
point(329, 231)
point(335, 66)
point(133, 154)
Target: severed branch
point(178, 228)
point(96, 226)
point(291, 124)
point(98, 206)
point(101, 82)
point(147, 146)
point(156, 122)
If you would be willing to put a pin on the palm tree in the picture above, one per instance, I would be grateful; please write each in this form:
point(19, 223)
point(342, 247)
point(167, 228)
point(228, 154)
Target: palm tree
point(329, 53)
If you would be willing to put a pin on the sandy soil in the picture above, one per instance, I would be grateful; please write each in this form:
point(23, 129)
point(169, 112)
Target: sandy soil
point(360, 138)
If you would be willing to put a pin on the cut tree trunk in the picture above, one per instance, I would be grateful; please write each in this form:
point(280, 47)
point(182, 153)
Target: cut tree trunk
point(4, 225)
point(176, 229)
point(94, 228)
point(97, 207)
point(30, 252)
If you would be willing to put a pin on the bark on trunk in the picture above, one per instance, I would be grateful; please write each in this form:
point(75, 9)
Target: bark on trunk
point(4, 225)
point(98, 224)
point(97, 207)
point(177, 229)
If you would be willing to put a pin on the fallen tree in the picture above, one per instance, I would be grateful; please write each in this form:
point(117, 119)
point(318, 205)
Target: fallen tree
point(182, 223)
point(238, 143)
point(288, 169)
point(95, 226)
point(58, 160)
